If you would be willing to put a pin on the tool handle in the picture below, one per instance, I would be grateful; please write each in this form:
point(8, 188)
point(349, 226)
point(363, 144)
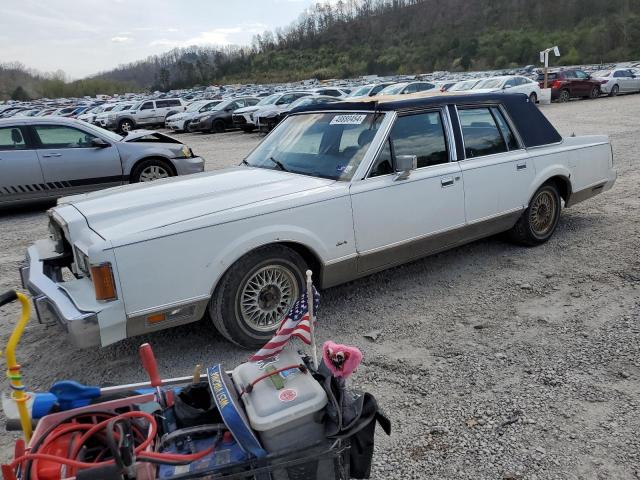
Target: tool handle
point(8, 297)
point(149, 364)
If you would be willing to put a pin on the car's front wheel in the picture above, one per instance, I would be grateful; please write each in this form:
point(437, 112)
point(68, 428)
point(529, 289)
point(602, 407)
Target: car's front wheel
point(533, 98)
point(540, 219)
point(149, 170)
point(125, 126)
point(595, 92)
point(256, 293)
point(614, 91)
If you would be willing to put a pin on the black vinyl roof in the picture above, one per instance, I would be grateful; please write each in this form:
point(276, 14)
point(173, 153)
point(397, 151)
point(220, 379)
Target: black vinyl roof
point(534, 128)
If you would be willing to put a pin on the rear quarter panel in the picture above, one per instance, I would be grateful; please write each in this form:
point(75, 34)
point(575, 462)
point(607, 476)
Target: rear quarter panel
point(586, 161)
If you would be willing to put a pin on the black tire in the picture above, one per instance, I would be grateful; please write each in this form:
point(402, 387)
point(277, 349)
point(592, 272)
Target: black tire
point(126, 125)
point(185, 127)
point(218, 126)
point(565, 96)
point(533, 98)
point(225, 309)
point(140, 170)
point(544, 208)
point(614, 91)
point(595, 93)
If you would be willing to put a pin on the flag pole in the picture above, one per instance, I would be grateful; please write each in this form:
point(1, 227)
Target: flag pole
point(312, 318)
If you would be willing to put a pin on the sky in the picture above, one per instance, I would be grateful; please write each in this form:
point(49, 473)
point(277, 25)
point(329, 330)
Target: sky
point(82, 37)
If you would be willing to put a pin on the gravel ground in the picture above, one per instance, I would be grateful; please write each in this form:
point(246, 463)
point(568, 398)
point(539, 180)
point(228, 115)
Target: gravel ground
point(493, 361)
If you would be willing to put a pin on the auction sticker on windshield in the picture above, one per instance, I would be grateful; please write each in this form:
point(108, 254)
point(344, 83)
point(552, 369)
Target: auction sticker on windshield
point(352, 119)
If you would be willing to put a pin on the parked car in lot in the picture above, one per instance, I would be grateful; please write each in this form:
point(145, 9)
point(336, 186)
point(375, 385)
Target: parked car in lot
point(243, 118)
point(267, 118)
point(370, 90)
point(346, 189)
point(617, 80)
point(403, 88)
point(509, 84)
point(568, 84)
point(220, 117)
point(90, 115)
point(107, 119)
point(464, 85)
point(179, 122)
point(149, 113)
point(50, 157)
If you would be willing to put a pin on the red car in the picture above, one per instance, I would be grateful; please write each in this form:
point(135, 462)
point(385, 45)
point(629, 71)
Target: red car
point(567, 84)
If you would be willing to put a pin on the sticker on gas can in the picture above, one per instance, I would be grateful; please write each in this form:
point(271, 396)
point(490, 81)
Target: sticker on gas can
point(288, 395)
point(350, 119)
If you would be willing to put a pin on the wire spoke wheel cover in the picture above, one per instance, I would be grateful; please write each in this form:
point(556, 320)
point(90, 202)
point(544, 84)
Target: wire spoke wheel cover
point(267, 295)
point(153, 172)
point(543, 213)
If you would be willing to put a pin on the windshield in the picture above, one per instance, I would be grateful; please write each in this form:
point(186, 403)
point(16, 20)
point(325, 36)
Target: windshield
point(120, 107)
point(326, 145)
point(211, 106)
point(114, 137)
point(490, 83)
point(269, 100)
point(195, 106)
point(393, 89)
point(462, 86)
point(360, 91)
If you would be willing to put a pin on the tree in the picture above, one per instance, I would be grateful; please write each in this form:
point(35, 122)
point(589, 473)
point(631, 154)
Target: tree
point(20, 94)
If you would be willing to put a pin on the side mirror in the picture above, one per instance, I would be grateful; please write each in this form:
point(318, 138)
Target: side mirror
point(99, 143)
point(506, 86)
point(228, 109)
point(404, 165)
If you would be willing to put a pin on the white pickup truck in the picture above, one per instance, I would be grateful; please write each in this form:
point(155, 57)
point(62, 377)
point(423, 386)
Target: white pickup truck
point(346, 189)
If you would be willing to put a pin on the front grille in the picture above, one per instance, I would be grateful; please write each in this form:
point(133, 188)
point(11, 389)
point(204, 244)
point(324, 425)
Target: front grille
point(239, 119)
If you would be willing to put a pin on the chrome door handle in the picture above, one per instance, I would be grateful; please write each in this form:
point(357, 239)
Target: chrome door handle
point(521, 166)
point(446, 181)
point(48, 155)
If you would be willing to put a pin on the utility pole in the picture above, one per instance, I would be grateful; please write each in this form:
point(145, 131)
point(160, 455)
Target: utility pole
point(544, 58)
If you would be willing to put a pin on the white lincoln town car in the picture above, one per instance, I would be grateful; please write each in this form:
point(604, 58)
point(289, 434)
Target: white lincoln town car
point(346, 189)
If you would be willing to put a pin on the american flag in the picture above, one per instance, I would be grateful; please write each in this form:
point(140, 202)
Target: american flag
point(295, 324)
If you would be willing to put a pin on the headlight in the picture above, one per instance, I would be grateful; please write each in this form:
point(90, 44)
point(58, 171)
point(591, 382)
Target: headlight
point(186, 152)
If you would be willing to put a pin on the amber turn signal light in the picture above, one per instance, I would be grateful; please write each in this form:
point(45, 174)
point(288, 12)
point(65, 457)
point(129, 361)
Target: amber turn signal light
point(103, 282)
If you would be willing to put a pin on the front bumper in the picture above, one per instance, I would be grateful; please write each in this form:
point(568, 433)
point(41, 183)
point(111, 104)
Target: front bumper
point(200, 125)
point(52, 304)
point(185, 166)
point(176, 126)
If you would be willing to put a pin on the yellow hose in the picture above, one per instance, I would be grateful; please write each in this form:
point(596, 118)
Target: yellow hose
point(13, 368)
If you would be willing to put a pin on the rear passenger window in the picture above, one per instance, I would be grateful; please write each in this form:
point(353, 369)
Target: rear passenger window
point(480, 133)
point(421, 135)
point(506, 131)
point(11, 139)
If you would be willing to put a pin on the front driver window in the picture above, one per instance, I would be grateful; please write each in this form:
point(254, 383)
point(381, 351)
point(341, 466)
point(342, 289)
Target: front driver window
point(147, 106)
point(55, 136)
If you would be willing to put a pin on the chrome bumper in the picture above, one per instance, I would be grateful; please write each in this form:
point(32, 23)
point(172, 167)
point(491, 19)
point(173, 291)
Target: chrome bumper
point(52, 305)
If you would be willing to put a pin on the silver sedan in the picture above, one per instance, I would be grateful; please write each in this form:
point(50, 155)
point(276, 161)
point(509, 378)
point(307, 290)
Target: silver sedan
point(43, 158)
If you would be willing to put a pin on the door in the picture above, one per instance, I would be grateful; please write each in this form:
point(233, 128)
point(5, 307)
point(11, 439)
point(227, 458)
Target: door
point(584, 82)
point(395, 219)
point(20, 173)
point(624, 80)
point(496, 169)
point(147, 114)
point(71, 164)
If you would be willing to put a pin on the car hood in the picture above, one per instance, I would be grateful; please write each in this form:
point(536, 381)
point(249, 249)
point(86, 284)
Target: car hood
point(272, 110)
point(130, 209)
point(484, 90)
point(135, 134)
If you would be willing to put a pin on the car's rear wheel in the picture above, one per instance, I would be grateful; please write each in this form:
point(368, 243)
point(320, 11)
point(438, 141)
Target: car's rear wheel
point(125, 125)
point(565, 96)
point(595, 92)
point(614, 91)
point(150, 170)
point(540, 219)
point(533, 98)
point(256, 293)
